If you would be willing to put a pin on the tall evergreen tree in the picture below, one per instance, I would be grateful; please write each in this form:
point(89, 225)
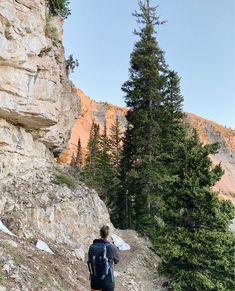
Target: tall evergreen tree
point(115, 157)
point(92, 164)
point(106, 168)
point(140, 182)
point(166, 174)
point(79, 158)
point(196, 246)
point(115, 144)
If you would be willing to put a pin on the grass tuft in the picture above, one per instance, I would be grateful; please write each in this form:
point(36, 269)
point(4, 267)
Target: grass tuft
point(62, 178)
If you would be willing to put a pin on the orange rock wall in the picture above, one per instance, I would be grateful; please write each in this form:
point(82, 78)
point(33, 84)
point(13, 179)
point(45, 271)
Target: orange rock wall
point(91, 111)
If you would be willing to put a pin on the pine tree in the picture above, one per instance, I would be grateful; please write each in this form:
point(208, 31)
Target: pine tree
point(115, 157)
point(173, 128)
point(106, 168)
point(98, 170)
point(79, 158)
point(196, 246)
point(115, 144)
point(140, 182)
point(166, 175)
point(92, 164)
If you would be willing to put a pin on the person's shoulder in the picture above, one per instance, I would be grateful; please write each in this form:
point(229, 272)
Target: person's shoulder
point(97, 241)
point(111, 246)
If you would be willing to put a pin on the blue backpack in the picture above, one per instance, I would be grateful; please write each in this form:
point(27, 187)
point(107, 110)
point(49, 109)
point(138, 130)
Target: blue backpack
point(98, 262)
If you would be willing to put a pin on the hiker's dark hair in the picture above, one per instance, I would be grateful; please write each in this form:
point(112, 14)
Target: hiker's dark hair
point(104, 231)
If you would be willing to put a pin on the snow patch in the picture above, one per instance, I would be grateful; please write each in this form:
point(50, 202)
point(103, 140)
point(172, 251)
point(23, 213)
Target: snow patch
point(120, 243)
point(4, 229)
point(41, 245)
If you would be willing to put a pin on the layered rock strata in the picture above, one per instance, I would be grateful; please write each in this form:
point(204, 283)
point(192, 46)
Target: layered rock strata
point(37, 102)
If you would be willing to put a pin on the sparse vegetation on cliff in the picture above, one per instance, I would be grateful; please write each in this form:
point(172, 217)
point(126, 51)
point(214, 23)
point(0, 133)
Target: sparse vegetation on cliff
point(63, 178)
point(60, 8)
point(51, 31)
point(71, 64)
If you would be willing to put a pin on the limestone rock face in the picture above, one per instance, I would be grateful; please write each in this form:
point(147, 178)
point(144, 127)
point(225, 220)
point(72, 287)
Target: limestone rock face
point(36, 206)
point(34, 89)
point(55, 212)
point(19, 152)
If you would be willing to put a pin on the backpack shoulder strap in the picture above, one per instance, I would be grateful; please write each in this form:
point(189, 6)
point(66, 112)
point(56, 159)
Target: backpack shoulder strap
point(105, 251)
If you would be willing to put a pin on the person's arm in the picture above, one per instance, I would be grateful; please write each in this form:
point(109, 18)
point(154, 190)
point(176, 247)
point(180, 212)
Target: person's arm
point(116, 257)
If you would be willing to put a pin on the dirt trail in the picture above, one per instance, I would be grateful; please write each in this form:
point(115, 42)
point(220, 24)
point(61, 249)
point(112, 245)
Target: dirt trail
point(24, 267)
point(138, 266)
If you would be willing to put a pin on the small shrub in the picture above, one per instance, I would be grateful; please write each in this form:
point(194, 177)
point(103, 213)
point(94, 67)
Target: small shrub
point(62, 178)
point(71, 64)
point(60, 8)
point(52, 33)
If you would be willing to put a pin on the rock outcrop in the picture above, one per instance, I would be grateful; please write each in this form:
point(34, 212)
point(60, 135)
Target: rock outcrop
point(19, 151)
point(40, 203)
point(36, 98)
point(51, 204)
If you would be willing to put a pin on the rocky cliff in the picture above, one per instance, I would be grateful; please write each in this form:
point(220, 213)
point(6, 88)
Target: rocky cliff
point(41, 200)
point(209, 132)
point(37, 102)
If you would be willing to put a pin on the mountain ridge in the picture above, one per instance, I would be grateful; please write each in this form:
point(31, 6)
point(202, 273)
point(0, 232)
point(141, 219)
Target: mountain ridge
point(209, 132)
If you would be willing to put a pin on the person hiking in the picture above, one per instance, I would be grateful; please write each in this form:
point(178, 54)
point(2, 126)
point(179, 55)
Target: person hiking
point(101, 256)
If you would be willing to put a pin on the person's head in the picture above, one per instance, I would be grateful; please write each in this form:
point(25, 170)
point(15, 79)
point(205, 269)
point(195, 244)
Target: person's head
point(104, 232)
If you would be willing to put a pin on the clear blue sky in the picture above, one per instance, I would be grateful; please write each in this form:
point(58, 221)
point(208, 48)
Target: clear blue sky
point(199, 41)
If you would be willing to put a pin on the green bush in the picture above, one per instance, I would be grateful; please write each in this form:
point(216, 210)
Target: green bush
point(51, 31)
point(71, 64)
point(60, 8)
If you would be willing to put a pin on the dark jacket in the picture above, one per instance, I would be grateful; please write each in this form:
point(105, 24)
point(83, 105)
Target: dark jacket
point(112, 252)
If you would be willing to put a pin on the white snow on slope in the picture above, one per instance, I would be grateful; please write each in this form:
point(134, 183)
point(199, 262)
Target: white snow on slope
point(120, 243)
point(4, 229)
point(41, 245)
